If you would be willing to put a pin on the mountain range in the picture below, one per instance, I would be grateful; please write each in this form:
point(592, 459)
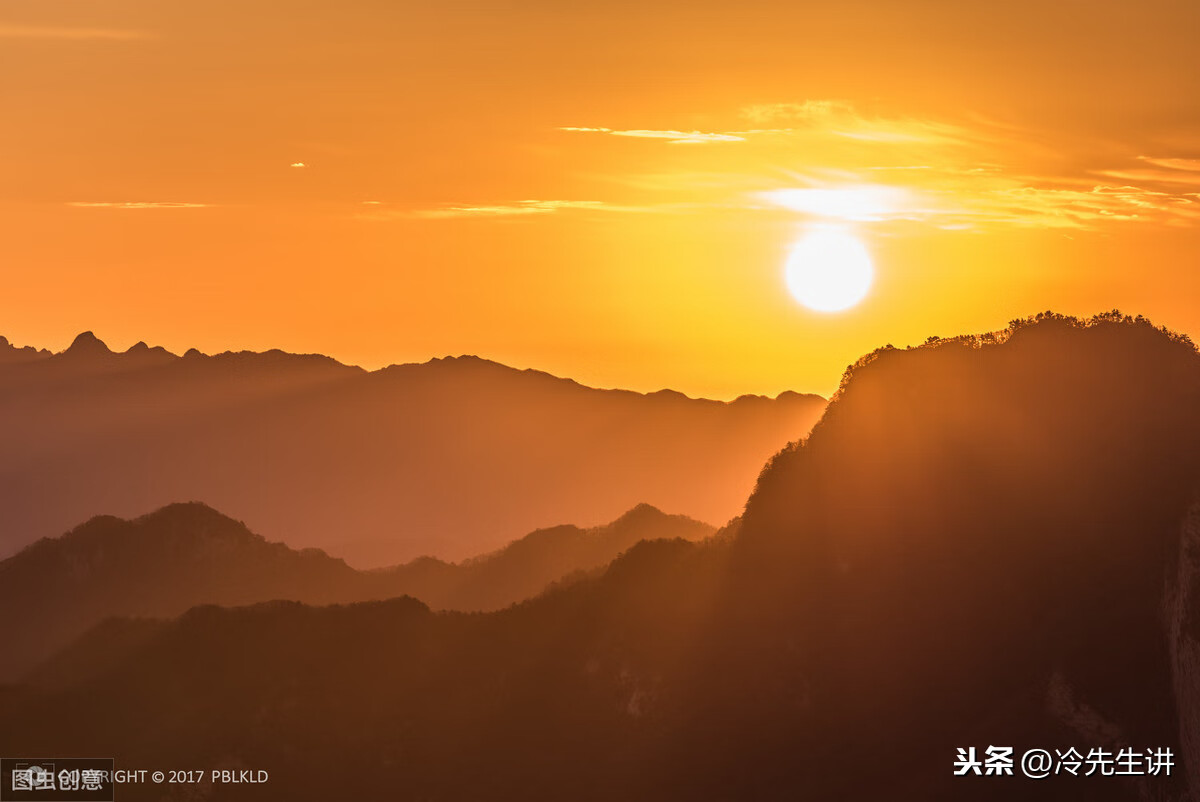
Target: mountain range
point(986, 540)
point(184, 555)
point(449, 458)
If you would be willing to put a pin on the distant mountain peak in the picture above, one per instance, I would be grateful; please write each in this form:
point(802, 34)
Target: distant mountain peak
point(467, 361)
point(87, 344)
point(641, 511)
point(13, 353)
point(186, 511)
point(146, 354)
point(196, 519)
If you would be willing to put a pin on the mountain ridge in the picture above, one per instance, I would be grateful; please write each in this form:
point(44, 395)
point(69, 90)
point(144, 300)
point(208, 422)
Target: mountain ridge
point(368, 465)
point(187, 554)
point(87, 345)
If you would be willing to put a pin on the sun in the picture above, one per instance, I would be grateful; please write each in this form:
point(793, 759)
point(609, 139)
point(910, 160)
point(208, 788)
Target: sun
point(829, 270)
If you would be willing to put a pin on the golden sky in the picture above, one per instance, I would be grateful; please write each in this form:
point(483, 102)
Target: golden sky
point(608, 191)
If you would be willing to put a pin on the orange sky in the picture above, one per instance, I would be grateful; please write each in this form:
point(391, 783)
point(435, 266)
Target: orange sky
point(605, 191)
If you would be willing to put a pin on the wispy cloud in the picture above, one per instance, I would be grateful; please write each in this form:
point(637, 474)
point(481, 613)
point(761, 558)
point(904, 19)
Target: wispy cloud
point(827, 160)
point(1047, 207)
point(682, 137)
point(805, 124)
point(525, 207)
point(8, 31)
point(986, 202)
point(137, 205)
point(1191, 165)
point(854, 203)
point(1151, 176)
point(672, 137)
point(840, 118)
point(521, 208)
point(807, 110)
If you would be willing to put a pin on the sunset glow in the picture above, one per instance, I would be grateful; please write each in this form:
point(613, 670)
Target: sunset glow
point(628, 400)
point(390, 184)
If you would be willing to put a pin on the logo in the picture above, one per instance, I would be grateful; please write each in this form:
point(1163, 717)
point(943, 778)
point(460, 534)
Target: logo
point(56, 779)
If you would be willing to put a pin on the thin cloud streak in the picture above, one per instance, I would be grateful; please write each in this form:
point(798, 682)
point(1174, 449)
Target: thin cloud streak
point(526, 208)
point(682, 137)
point(521, 208)
point(1152, 176)
point(672, 137)
point(1191, 165)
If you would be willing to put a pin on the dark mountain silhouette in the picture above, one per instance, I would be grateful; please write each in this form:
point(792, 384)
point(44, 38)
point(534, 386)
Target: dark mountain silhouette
point(10, 353)
point(985, 541)
point(184, 555)
point(525, 567)
point(453, 457)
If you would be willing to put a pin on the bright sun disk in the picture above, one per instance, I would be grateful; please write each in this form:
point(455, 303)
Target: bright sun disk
point(829, 270)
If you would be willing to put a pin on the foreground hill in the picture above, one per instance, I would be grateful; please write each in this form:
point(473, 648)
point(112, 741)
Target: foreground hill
point(184, 555)
point(986, 541)
point(453, 458)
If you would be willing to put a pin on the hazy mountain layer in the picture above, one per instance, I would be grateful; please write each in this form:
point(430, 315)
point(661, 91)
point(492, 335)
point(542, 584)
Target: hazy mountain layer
point(452, 458)
point(185, 555)
point(985, 541)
